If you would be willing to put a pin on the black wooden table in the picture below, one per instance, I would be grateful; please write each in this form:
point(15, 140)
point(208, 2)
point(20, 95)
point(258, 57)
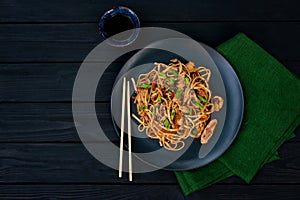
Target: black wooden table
point(42, 46)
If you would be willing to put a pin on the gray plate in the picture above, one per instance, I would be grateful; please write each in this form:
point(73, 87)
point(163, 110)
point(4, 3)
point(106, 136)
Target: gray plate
point(224, 82)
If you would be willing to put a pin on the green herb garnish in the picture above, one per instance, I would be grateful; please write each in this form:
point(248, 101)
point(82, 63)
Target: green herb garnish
point(194, 131)
point(167, 124)
point(174, 72)
point(199, 105)
point(202, 99)
point(172, 81)
point(173, 113)
point(143, 107)
point(159, 99)
point(163, 75)
point(153, 112)
point(189, 110)
point(178, 93)
point(187, 80)
point(146, 86)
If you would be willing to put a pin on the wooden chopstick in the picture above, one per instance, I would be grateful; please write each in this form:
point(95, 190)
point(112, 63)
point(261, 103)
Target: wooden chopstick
point(122, 128)
point(129, 131)
point(128, 128)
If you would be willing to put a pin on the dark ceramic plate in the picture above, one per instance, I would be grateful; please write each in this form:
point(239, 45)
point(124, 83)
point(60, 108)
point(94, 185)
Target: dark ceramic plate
point(224, 82)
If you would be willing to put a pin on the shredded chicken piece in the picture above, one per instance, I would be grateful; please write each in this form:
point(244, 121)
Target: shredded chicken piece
point(208, 131)
point(191, 67)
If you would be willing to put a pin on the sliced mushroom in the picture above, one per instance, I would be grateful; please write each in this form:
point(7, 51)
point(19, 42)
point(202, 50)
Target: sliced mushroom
point(217, 102)
point(208, 131)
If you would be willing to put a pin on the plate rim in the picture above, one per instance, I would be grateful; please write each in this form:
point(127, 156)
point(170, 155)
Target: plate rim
point(215, 55)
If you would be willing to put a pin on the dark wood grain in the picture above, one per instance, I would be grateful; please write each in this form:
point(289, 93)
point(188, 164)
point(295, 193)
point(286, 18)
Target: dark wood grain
point(129, 192)
point(51, 122)
point(63, 163)
point(253, 192)
point(107, 192)
point(71, 163)
point(82, 10)
point(18, 82)
point(212, 33)
point(42, 122)
point(62, 42)
point(283, 169)
point(42, 46)
point(44, 51)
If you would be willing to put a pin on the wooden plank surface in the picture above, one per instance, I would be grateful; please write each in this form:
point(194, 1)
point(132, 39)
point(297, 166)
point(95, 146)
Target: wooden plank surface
point(71, 163)
point(62, 43)
point(107, 192)
point(56, 80)
point(18, 82)
point(51, 122)
point(42, 46)
point(168, 10)
point(212, 33)
point(253, 192)
point(47, 122)
point(132, 192)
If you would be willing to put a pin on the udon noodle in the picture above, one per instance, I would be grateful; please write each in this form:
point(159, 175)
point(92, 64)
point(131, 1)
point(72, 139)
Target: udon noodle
point(174, 102)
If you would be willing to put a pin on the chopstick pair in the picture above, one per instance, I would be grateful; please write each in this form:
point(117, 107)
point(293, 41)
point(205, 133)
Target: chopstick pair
point(125, 100)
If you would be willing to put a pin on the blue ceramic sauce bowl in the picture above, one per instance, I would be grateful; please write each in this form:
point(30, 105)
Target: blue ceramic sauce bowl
point(116, 20)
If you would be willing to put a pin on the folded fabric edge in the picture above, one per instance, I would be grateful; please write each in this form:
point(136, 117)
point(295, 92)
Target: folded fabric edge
point(244, 37)
point(187, 188)
point(284, 137)
point(289, 134)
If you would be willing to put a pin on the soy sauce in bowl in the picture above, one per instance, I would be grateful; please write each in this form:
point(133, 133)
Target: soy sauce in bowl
point(118, 24)
point(118, 20)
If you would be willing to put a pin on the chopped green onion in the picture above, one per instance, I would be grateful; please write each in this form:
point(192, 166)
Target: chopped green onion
point(173, 113)
point(194, 131)
point(143, 107)
point(187, 80)
point(146, 86)
point(189, 110)
point(159, 99)
point(167, 124)
point(153, 112)
point(163, 75)
point(178, 93)
point(174, 72)
point(199, 105)
point(202, 99)
point(172, 81)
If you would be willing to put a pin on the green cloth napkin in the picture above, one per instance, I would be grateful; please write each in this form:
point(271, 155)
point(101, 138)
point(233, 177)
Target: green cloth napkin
point(272, 112)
